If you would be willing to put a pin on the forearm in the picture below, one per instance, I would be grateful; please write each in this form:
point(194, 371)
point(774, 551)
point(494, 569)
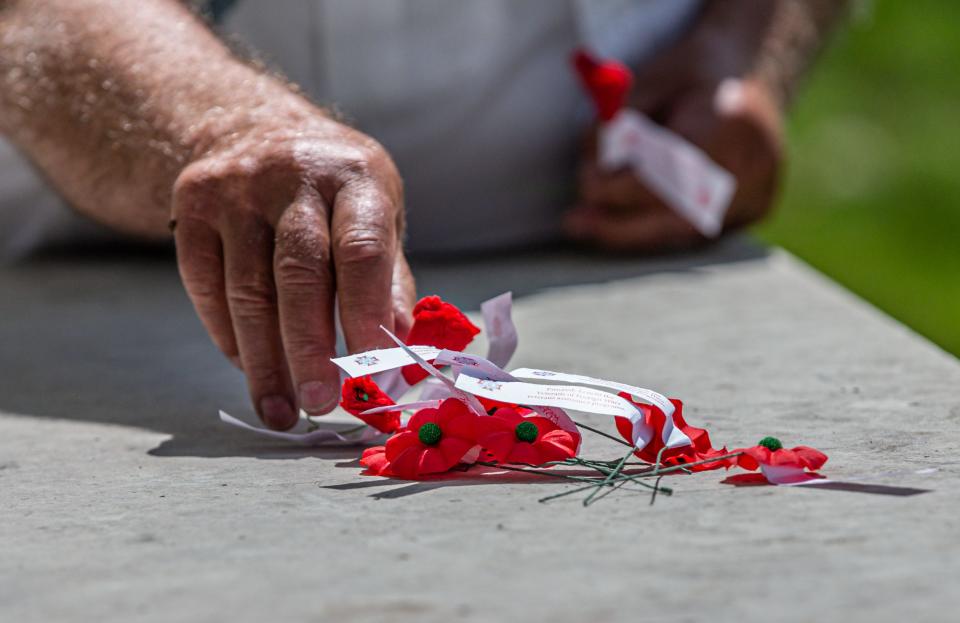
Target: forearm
point(112, 98)
point(798, 31)
point(771, 41)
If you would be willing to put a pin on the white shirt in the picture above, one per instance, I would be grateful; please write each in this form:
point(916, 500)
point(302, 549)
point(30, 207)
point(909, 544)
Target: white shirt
point(474, 99)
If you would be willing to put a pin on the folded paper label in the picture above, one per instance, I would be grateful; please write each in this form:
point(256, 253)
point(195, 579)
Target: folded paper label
point(563, 396)
point(470, 400)
point(500, 331)
point(383, 359)
point(672, 436)
point(679, 172)
point(644, 395)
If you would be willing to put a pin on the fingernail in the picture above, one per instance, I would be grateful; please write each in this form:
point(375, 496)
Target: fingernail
point(316, 397)
point(277, 412)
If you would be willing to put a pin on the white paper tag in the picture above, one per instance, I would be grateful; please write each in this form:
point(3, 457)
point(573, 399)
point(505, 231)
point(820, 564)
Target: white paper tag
point(320, 437)
point(481, 369)
point(672, 436)
point(564, 396)
point(470, 400)
point(406, 406)
point(473, 364)
point(392, 383)
point(381, 360)
point(433, 389)
point(645, 395)
point(501, 332)
point(679, 172)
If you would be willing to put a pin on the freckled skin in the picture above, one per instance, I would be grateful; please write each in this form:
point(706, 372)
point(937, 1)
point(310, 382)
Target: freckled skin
point(141, 118)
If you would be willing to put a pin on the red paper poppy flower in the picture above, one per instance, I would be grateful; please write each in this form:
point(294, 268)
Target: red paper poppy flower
point(375, 460)
point(509, 436)
point(699, 450)
point(778, 464)
point(607, 82)
point(439, 324)
point(360, 394)
point(433, 441)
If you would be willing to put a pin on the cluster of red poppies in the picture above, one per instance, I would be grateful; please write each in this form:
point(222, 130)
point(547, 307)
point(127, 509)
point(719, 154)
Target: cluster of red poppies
point(436, 439)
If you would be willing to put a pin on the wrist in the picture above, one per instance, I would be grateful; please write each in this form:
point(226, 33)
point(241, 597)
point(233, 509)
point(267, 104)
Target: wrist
point(729, 38)
point(261, 103)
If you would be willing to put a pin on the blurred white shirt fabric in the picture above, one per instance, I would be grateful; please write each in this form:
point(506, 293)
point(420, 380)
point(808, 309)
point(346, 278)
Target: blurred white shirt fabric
point(474, 99)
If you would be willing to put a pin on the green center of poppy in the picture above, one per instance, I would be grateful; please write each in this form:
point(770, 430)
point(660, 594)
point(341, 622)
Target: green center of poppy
point(429, 434)
point(526, 431)
point(770, 443)
point(362, 396)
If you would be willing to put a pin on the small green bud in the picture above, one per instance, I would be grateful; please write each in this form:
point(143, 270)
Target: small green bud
point(771, 443)
point(527, 431)
point(429, 434)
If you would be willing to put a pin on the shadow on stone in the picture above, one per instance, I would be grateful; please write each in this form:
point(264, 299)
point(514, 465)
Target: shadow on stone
point(108, 336)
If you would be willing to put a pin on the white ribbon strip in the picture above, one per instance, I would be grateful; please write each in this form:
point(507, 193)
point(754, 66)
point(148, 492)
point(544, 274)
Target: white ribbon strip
point(501, 332)
point(671, 435)
point(407, 406)
point(383, 359)
point(470, 400)
point(501, 336)
point(475, 365)
point(485, 370)
point(572, 397)
point(433, 389)
point(320, 437)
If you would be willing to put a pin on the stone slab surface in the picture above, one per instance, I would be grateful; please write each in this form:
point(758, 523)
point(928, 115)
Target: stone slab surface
point(122, 498)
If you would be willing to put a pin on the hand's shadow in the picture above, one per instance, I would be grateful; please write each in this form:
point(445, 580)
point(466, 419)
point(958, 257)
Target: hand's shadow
point(112, 338)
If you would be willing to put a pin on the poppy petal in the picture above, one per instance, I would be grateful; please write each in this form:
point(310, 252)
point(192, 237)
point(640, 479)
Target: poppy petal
point(432, 461)
point(423, 416)
point(401, 442)
point(811, 458)
point(406, 464)
point(463, 426)
point(525, 453)
point(554, 449)
point(453, 449)
point(498, 443)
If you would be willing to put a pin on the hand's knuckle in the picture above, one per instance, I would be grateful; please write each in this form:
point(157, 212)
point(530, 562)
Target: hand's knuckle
point(357, 167)
point(296, 270)
point(251, 298)
point(366, 158)
point(363, 246)
point(203, 291)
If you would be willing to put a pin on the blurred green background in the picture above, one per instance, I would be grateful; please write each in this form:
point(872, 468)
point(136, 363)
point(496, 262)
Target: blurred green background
point(872, 196)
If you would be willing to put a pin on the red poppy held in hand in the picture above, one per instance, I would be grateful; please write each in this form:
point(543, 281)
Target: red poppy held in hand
point(699, 450)
point(513, 436)
point(607, 82)
point(439, 324)
point(433, 441)
point(360, 394)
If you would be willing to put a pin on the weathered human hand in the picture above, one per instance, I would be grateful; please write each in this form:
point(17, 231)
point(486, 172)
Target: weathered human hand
point(283, 215)
point(737, 122)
